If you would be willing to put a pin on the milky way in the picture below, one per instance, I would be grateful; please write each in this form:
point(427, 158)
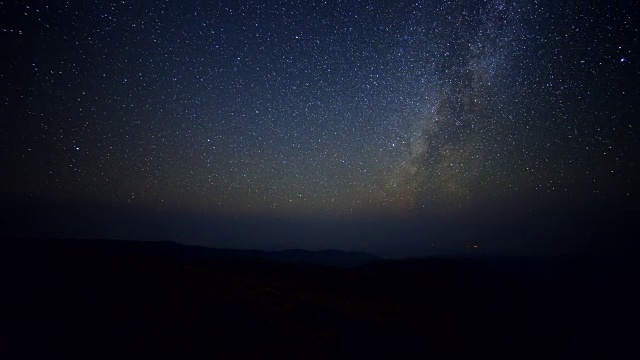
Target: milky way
point(462, 115)
point(318, 108)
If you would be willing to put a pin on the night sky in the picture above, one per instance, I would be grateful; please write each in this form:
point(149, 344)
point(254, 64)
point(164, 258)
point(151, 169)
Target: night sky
point(389, 126)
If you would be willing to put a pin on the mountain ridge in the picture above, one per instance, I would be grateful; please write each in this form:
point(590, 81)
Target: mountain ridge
point(325, 257)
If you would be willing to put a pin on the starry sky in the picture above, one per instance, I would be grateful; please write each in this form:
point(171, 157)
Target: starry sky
point(362, 112)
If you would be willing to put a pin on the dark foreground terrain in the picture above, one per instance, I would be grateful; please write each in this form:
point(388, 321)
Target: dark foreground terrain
point(114, 299)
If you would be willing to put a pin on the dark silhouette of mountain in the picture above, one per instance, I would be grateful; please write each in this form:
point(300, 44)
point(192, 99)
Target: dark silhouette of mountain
point(105, 299)
point(201, 253)
point(324, 257)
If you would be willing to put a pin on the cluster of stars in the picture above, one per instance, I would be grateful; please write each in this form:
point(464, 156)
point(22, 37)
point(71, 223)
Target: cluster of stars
point(317, 107)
